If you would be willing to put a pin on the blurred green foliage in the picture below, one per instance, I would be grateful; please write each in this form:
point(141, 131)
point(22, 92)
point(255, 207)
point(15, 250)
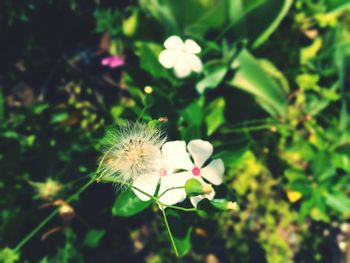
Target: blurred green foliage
point(273, 99)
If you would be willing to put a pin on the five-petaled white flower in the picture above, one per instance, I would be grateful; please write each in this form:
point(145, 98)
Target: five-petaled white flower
point(137, 155)
point(181, 56)
point(175, 157)
point(132, 156)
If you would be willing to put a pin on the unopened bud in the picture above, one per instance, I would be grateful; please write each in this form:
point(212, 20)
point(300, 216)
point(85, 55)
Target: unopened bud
point(232, 206)
point(273, 129)
point(342, 246)
point(345, 228)
point(207, 189)
point(163, 119)
point(193, 187)
point(148, 89)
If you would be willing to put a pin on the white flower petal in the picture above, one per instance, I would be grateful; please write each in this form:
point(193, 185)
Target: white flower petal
point(182, 66)
point(168, 58)
point(195, 62)
point(173, 196)
point(200, 151)
point(214, 171)
point(175, 156)
point(146, 183)
point(174, 42)
point(195, 199)
point(192, 47)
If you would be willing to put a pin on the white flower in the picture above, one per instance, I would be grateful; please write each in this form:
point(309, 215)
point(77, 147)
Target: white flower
point(175, 157)
point(132, 155)
point(181, 56)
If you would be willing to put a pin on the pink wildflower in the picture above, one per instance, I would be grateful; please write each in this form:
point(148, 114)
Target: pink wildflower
point(113, 61)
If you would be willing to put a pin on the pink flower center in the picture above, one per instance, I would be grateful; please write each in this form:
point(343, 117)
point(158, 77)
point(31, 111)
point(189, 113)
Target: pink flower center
point(162, 172)
point(196, 171)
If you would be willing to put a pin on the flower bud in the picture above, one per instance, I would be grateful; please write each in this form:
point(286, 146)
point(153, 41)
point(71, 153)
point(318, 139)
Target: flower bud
point(232, 206)
point(195, 187)
point(148, 89)
point(224, 205)
point(207, 189)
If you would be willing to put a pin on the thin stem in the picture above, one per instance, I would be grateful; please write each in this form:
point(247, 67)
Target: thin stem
point(173, 188)
point(142, 112)
point(247, 129)
point(35, 230)
point(254, 121)
point(50, 216)
point(72, 182)
point(156, 199)
point(180, 208)
point(82, 189)
point(131, 186)
point(169, 232)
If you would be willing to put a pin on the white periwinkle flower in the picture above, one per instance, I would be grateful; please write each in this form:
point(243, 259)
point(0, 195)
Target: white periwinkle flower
point(181, 56)
point(175, 157)
point(132, 155)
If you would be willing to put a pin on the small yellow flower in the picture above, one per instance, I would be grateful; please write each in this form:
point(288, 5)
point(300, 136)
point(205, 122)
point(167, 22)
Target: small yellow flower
point(294, 196)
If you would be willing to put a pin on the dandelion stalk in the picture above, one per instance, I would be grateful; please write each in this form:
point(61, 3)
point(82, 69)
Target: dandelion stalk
point(35, 230)
point(27, 238)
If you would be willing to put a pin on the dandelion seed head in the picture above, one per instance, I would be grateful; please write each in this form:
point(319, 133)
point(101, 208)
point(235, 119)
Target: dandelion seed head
point(131, 151)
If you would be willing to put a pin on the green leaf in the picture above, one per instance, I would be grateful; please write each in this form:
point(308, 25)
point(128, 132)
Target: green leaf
point(311, 51)
point(59, 117)
point(130, 24)
point(215, 72)
point(338, 202)
point(215, 115)
point(128, 204)
point(8, 255)
point(40, 107)
point(181, 230)
point(269, 16)
point(148, 53)
point(213, 16)
point(193, 113)
point(255, 20)
point(161, 11)
point(275, 73)
point(298, 181)
point(250, 77)
point(93, 237)
point(193, 116)
point(341, 160)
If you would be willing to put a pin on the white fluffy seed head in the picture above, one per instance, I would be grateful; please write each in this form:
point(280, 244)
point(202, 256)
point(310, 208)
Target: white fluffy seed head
point(131, 151)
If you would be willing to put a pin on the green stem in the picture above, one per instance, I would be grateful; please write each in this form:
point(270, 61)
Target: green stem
point(50, 216)
point(251, 122)
point(169, 232)
point(180, 208)
point(143, 112)
point(35, 230)
point(156, 199)
point(173, 188)
point(247, 129)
